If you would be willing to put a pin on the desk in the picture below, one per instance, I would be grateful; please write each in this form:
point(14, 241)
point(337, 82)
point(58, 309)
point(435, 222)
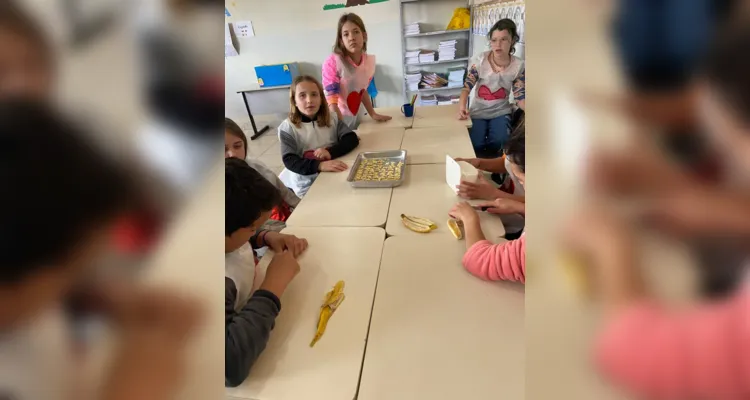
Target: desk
point(438, 332)
point(398, 121)
point(289, 368)
point(280, 104)
point(430, 145)
point(424, 193)
point(332, 201)
point(438, 116)
point(376, 140)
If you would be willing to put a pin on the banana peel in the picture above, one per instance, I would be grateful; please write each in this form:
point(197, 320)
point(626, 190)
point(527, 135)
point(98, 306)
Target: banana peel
point(417, 224)
point(332, 301)
point(455, 228)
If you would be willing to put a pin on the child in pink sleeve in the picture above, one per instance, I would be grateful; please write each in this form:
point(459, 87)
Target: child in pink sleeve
point(648, 348)
point(504, 261)
point(348, 72)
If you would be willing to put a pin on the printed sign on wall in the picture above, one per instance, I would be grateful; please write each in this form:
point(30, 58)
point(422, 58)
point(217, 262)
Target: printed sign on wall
point(351, 3)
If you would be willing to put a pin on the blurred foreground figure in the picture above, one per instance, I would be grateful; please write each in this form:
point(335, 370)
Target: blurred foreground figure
point(62, 202)
point(651, 350)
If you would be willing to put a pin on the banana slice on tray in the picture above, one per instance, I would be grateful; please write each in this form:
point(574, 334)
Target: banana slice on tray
point(417, 224)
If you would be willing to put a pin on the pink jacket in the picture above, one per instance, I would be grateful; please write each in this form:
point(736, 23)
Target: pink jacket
point(703, 353)
point(495, 262)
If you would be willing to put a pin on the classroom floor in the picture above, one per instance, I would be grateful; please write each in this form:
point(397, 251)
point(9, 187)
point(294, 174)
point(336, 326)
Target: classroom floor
point(266, 148)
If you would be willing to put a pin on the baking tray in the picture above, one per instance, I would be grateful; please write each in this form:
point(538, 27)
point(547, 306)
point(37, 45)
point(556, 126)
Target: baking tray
point(390, 155)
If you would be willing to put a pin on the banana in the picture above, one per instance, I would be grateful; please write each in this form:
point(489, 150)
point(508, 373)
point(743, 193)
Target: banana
point(332, 301)
point(417, 224)
point(455, 229)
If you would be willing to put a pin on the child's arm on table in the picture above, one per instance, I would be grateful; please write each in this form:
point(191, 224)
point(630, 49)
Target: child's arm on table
point(247, 331)
point(367, 102)
point(292, 157)
point(506, 261)
point(332, 85)
point(346, 141)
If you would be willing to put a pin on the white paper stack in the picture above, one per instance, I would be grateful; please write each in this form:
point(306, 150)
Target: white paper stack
point(447, 50)
point(426, 56)
point(456, 77)
point(457, 171)
point(412, 81)
point(428, 100)
point(455, 99)
point(412, 56)
point(412, 29)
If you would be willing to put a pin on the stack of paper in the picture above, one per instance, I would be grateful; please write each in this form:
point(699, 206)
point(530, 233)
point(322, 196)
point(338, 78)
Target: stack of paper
point(412, 81)
point(456, 77)
point(433, 80)
point(447, 50)
point(412, 57)
point(426, 56)
point(412, 29)
point(428, 100)
point(455, 99)
point(444, 100)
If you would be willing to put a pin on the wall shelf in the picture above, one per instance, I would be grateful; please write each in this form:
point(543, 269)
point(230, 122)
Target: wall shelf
point(436, 33)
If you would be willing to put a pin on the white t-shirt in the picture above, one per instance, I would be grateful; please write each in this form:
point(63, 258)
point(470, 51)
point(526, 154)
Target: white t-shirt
point(239, 266)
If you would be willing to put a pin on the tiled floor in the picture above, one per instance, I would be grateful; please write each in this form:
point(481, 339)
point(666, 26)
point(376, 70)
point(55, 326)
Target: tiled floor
point(265, 148)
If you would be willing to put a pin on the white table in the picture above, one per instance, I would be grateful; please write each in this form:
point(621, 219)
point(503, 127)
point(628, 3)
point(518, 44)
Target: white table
point(430, 145)
point(332, 201)
point(289, 368)
point(398, 120)
point(438, 116)
point(425, 193)
point(376, 140)
point(438, 332)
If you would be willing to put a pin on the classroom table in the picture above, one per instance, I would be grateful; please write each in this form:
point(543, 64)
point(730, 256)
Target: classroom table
point(438, 116)
point(398, 121)
point(425, 194)
point(430, 145)
point(270, 99)
point(376, 140)
point(438, 332)
point(332, 201)
point(288, 367)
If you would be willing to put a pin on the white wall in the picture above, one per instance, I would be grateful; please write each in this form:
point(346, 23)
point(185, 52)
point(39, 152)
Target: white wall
point(301, 31)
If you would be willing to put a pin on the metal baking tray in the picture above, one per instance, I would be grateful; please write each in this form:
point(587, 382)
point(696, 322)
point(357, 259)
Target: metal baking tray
point(389, 155)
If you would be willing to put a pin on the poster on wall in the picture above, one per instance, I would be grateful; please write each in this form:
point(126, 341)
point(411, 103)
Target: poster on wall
point(229, 49)
point(351, 3)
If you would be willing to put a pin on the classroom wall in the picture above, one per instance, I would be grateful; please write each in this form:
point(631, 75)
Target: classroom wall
point(301, 31)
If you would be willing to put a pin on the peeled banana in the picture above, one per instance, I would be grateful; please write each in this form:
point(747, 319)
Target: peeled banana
point(332, 301)
point(417, 224)
point(455, 229)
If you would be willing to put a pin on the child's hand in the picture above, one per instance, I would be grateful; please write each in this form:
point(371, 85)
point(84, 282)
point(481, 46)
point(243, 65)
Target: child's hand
point(504, 206)
point(279, 242)
point(474, 162)
point(481, 189)
point(463, 113)
point(322, 154)
point(282, 269)
point(333, 166)
point(464, 212)
point(381, 118)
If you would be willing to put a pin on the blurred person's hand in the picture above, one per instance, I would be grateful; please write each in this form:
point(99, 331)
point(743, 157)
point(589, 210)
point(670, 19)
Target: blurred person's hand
point(465, 213)
point(149, 363)
point(504, 206)
point(604, 245)
point(322, 154)
point(282, 269)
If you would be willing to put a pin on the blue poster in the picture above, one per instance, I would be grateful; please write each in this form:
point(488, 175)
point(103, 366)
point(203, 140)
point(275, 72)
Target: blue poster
point(226, 12)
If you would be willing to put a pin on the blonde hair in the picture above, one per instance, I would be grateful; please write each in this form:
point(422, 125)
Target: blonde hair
point(295, 116)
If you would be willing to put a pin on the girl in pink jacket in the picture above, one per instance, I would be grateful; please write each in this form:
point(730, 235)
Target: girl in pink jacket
point(646, 347)
point(505, 261)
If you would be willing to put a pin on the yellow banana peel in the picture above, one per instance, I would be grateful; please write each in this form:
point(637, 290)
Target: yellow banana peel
point(417, 224)
point(332, 301)
point(455, 229)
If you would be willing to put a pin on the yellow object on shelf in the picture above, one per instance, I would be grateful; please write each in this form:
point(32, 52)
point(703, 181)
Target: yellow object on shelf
point(332, 301)
point(461, 19)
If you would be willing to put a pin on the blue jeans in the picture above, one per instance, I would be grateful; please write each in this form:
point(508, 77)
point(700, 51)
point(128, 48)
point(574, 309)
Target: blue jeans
point(489, 135)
